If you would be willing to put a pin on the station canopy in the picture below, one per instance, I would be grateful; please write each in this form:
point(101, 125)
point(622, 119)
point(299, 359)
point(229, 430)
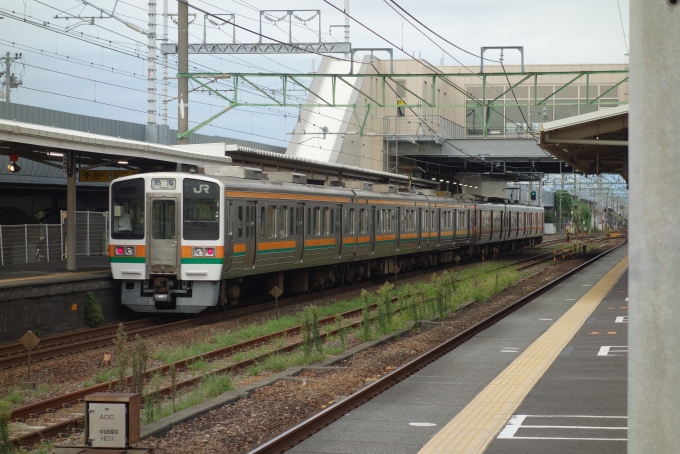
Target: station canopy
point(592, 143)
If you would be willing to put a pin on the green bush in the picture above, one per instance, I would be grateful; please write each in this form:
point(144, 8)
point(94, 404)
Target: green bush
point(6, 445)
point(93, 311)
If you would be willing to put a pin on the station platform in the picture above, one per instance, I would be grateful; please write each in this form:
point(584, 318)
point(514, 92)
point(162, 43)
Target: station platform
point(551, 377)
point(28, 274)
point(47, 299)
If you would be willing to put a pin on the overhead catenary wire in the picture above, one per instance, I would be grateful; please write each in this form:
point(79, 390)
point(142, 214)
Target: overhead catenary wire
point(200, 65)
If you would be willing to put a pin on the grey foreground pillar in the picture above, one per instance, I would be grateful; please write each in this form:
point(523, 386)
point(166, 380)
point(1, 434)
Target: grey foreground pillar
point(654, 285)
point(71, 221)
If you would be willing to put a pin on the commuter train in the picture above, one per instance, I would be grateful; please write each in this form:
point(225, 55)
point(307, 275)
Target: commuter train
point(188, 242)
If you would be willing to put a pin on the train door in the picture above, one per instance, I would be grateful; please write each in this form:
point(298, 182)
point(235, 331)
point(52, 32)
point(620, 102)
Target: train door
point(438, 226)
point(336, 225)
point(163, 244)
point(229, 232)
point(299, 232)
point(372, 229)
point(419, 225)
point(397, 241)
point(251, 235)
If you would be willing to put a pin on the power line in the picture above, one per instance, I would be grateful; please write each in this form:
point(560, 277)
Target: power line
point(623, 29)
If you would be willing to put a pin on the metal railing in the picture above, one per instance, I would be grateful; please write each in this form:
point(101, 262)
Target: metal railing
point(31, 243)
point(426, 125)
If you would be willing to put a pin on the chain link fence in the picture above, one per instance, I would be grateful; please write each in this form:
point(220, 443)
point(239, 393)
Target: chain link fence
point(31, 243)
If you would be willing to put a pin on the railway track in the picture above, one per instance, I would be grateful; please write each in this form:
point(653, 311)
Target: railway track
point(14, 355)
point(316, 423)
point(60, 410)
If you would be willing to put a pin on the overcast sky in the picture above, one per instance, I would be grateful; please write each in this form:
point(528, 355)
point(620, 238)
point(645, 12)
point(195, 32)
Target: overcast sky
point(552, 32)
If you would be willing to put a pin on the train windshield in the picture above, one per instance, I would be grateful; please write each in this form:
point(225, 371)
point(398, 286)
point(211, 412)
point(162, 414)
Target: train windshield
point(127, 207)
point(201, 210)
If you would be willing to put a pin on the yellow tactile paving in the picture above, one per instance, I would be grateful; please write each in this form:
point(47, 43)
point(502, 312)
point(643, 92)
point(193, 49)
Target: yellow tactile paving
point(476, 425)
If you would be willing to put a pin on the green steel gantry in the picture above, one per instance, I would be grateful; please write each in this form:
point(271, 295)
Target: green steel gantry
point(437, 80)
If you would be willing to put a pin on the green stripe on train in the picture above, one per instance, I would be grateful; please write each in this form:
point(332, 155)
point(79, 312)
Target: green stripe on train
point(203, 261)
point(276, 251)
point(127, 259)
point(319, 247)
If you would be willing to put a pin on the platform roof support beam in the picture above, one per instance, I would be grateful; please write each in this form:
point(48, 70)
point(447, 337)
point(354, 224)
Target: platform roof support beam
point(653, 363)
point(71, 211)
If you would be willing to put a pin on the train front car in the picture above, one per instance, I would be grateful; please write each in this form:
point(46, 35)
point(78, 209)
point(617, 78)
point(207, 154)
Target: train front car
point(167, 241)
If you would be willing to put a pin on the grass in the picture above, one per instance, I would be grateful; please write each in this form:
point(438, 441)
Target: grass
point(245, 333)
point(16, 396)
point(421, 294)
point(210, 386)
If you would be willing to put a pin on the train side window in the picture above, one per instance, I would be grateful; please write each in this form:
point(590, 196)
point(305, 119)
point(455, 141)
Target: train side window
point(291, 222)
point(315, 221)
point(394, 222)
point(345, 226)
point(331, 223)
point(324, 222)
point(281, 222)
point(362, 220)
point(271, 221)
point(309, 221)
point(239, 221)
point(261, 221)
point(350, 222)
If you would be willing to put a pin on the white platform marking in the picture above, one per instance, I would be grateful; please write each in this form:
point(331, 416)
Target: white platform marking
point(510, 350)
point(587, 285)
point(545, 319)
point(569, 299)
point(422, 424)
point(612, 350)
point(516, 422)
point(622, 319)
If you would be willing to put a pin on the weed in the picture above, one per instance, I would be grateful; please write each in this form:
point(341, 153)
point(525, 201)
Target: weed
point(341, 330)
point(122, 357)
point(173, 386)
point(88, 383)
point(199, 365)
point(6, 445)
point(104, 376)
point(140, 353)
point(367, 323)
point(93, 311)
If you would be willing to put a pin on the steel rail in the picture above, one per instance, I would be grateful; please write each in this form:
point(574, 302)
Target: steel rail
point(317, 422)
point(50, 405)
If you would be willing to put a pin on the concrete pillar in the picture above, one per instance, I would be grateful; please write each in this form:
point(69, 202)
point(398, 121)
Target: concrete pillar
point(654, 137)
point(71, 220)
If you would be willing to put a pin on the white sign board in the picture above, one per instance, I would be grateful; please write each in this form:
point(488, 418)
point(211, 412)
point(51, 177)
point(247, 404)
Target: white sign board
point(107, 425)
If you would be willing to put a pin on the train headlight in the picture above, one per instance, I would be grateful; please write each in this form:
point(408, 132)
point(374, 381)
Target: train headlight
point(124, 250)
point(198, 251)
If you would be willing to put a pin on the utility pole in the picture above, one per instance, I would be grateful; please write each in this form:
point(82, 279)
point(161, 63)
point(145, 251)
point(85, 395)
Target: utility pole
point(183, 64)
point(11, 80)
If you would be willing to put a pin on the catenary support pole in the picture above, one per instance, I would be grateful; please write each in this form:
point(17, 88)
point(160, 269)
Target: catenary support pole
point(8, 76)
point(653, 362)
point(71, 219)
point(164, 98)
point(151, 65)
point(347, 56)
point(183, 66)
